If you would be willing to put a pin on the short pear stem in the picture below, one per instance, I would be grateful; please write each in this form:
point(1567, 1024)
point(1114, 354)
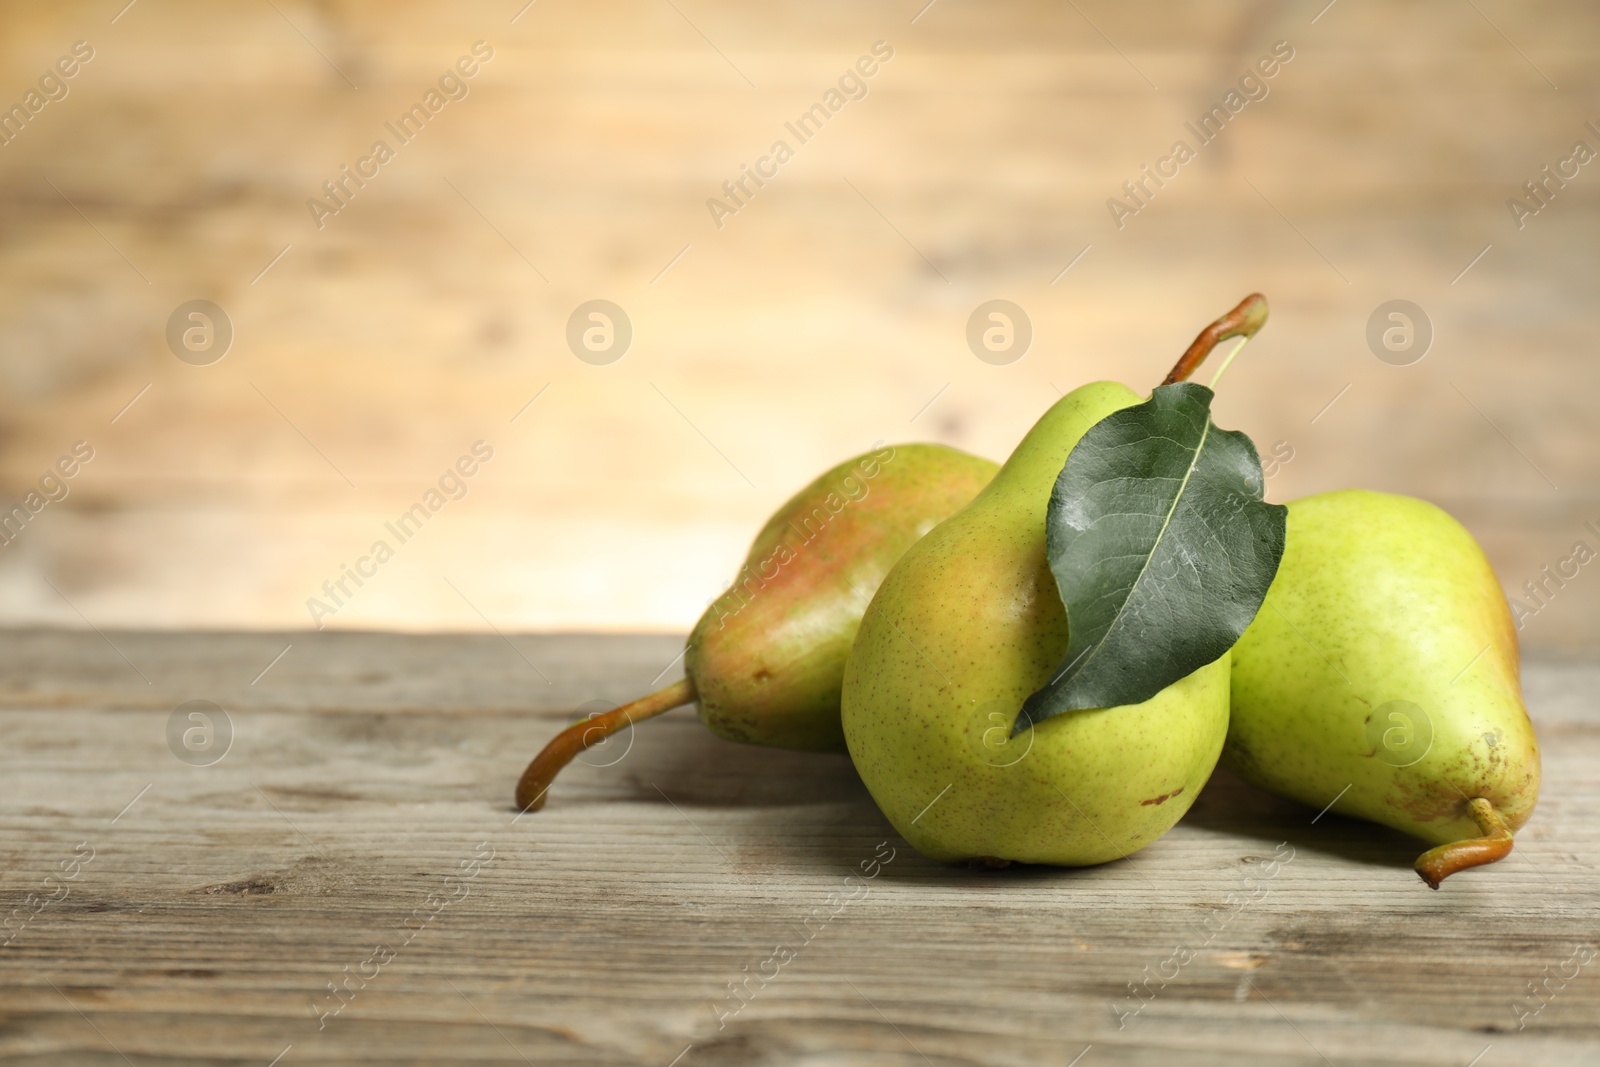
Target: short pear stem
point(563, 747)
point(1245, 320)
point(1437, 864)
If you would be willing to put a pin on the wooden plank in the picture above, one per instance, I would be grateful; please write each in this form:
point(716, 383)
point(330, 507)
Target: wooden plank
point(606, 929)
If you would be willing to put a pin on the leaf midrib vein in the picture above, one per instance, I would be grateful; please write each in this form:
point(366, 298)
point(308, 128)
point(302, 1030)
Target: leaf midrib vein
point(1166, 523)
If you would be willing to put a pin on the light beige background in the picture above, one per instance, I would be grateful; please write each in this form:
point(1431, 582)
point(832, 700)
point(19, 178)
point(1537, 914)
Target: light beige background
point(824, 315)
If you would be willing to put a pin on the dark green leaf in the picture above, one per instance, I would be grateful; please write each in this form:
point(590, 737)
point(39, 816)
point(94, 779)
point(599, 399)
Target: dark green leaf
point(1162, 548)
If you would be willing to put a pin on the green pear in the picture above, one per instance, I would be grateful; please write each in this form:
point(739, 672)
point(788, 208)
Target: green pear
point(766, 660)
point(967, 625)
point(1381, 677)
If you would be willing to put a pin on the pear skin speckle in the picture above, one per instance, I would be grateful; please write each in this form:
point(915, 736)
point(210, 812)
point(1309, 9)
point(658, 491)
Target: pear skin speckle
point(964, 628)
point(767, 657)
point(1384, 664)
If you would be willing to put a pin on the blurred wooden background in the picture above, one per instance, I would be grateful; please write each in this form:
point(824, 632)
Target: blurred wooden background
point(826, 314)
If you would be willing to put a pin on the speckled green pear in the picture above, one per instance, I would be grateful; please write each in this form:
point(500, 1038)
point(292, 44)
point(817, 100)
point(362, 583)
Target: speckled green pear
point(1383, 671)
point(767, 657)
point(766, 661)
point(964, 628)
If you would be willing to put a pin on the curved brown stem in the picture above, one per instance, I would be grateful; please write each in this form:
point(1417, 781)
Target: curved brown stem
point(1244, 320)
point(1437, 864)
point(535, 781)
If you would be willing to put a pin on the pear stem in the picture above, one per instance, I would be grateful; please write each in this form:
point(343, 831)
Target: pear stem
point(1244, 320)
point(1437, 864)
point(566, 745)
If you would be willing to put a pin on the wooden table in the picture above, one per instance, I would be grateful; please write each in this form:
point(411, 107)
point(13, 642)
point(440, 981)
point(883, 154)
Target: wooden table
point(211, 906)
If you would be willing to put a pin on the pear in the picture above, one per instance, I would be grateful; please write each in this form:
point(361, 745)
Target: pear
point(965, 627)
point(766, 660)
point(1381, 677)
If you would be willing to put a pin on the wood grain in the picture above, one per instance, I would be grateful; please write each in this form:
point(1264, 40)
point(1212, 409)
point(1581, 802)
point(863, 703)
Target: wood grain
point(606, 929)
